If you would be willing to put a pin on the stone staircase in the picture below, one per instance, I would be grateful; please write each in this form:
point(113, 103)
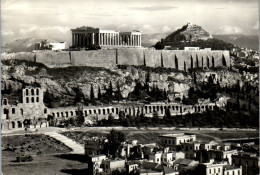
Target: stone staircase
point(76, 148)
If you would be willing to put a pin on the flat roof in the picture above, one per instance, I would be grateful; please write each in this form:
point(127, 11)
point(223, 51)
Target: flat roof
point(177, 135)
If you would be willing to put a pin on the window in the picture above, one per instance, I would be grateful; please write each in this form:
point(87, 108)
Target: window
point(37, 91)
point(169, 142)
point(58, 115)
point(165, 141)
point(37, 99)
point(32, 91)
point(32, 100)
point(21, 110)
point(219, 170)
point(238, 172)
point(5, 102)
point(27, 99)
point(13, 110)
point(71, 113)
point(45, 110)
point(214, 170)
point(209, 171)
point(233, 172)
point(26, 92)
point(158, 159)
point(227, 173)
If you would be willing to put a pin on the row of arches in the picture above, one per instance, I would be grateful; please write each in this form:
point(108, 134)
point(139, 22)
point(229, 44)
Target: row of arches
point(22, 124)
point(31, 92)
point(147, 109)
point(32, 100)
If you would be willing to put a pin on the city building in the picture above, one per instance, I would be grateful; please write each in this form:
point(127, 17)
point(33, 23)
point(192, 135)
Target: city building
point(110, 165)
point(174, 140)
point(94, 163)
point(86, 37)
point(46, 45)
point(249, 162)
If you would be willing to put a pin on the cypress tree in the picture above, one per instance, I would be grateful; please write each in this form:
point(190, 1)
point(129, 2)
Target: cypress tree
point(92, 96)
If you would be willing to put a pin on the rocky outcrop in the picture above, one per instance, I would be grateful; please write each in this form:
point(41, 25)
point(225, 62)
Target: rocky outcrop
point(62, 81)
point(189, 32)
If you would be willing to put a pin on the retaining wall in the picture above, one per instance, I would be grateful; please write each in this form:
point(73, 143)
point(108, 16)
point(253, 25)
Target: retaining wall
point(179, 59)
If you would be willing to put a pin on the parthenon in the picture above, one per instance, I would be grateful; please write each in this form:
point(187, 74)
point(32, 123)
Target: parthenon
point(89, 36)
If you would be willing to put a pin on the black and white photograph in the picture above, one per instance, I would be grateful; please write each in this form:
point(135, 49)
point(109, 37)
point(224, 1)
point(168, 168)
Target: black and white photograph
point(130, 87)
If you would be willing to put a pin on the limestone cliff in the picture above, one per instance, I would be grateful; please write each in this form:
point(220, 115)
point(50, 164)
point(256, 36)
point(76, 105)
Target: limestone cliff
point(62, 81)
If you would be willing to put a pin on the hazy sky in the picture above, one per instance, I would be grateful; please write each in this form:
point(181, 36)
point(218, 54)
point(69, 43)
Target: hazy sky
point(55, 18)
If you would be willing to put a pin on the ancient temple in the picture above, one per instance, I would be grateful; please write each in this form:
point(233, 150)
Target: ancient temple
point(89, 36)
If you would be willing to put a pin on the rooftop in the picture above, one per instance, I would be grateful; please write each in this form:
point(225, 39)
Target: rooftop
point(177, 135)
point(229, 167)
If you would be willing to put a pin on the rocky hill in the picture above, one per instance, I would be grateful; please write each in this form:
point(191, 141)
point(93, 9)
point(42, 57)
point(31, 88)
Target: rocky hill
point(192, 35)
point(188, 33)
point(62, 82)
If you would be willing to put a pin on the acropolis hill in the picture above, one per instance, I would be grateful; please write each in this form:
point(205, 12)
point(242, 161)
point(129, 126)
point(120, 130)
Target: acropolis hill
point(124, 48)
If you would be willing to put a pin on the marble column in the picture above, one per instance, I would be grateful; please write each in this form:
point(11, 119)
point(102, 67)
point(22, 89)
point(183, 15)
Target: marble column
point(112, 39)
point(76, 39)
point(73, 39)
point(93, 39)
point(99, 39)
point(84, 39)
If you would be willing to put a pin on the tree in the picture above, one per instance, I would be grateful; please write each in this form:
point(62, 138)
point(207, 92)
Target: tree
point(118, 95)
point(92, 96)
point(80, 117)
point(159, 46)
point(99, 93)
point(114, 142)
point(110, 90)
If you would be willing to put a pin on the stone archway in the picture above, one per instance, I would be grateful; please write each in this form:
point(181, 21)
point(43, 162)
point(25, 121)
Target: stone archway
point(19, 124)
point(12, 124)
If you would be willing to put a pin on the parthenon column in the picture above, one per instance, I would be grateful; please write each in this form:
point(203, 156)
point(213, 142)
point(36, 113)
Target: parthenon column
point(99, 39)
point(93, 38)
point(76, 39)
point(73, 40)
point(84, 39)
point(111, 36)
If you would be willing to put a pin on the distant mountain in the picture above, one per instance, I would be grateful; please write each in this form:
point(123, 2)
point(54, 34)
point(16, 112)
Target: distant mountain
point(22, 45)
point(188, 33)
point(249, 41)
point(192, 35)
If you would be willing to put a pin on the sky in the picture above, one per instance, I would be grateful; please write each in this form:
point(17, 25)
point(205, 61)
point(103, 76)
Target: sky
point(53, 19)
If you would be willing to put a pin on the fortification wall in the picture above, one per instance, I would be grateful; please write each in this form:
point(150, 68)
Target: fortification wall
point(29, 56)
point(178, 59)
point(95, 58)
point(130, 57)
point(153, 58)
point(54, 59)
